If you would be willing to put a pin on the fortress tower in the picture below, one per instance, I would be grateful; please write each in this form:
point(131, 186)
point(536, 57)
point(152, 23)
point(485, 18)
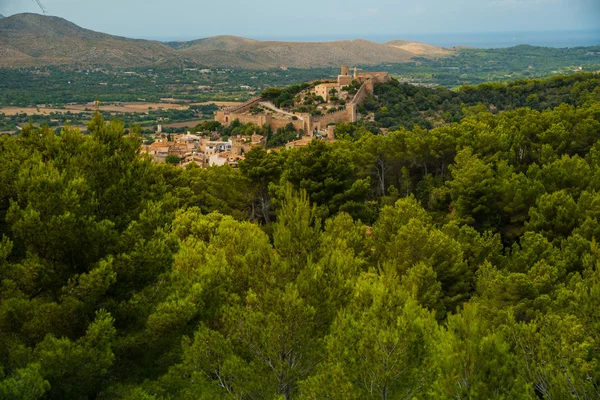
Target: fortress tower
point(344, 78)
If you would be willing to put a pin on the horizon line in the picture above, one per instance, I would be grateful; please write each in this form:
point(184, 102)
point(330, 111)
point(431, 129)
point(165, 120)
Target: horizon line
point(354, 36)
point(421, 37)
point(350, 36)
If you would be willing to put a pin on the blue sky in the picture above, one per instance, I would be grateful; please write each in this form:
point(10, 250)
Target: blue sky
point(187, 19)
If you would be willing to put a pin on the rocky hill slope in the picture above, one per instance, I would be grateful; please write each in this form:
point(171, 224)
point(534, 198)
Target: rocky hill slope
point(421, 49)
point(33, 39)
point(247, 53)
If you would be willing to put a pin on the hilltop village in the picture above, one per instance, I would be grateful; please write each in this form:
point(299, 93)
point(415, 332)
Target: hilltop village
point(313, 112)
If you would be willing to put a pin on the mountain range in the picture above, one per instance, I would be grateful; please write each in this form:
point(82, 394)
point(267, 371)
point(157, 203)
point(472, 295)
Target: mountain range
point(35, 40)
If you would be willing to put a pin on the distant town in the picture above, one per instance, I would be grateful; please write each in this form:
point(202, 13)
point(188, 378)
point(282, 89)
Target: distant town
point(313, 112)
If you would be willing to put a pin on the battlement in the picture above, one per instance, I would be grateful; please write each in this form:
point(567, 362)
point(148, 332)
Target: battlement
point(245, 105)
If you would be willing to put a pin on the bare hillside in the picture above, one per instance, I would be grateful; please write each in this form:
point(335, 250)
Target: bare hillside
point(33, 39)
point(421, 49)
point(247, 53)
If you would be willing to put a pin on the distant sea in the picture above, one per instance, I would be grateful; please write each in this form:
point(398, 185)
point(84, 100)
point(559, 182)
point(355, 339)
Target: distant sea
point(486, 40)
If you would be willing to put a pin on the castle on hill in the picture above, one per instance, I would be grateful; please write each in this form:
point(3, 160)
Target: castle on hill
point(345, 79)
point(208, 151)
point(308, 123)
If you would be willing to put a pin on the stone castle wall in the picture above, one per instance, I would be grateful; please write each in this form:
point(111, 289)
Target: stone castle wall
point(226, 118)
point(229, 114)
point(260, 120)
point(367, 89)
point(346, 115)
point(245, 106)
point(281, 123)
point(377, 77)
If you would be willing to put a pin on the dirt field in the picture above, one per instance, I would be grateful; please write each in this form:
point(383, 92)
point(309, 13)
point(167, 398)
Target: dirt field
point(219, 103)
point(121, 108)
point(188, 124)
point(32, 110)
point(79, 108)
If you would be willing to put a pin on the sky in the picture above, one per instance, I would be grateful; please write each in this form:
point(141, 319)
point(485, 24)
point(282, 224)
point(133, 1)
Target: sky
point(270, 19)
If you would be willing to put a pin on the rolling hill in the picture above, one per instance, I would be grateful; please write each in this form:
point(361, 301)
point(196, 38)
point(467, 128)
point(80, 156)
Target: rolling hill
point(421, 49)
point(247, 53)
point(33, 39)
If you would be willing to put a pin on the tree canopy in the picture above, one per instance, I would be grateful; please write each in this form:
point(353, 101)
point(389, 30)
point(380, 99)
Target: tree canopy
point(455, 262)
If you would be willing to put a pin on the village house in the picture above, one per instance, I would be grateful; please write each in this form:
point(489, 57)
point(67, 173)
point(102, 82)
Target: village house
point(240, 145)
point(304, 141)
point(208, 146)
point(197, 159)
point(325, 90)
point(223, 158)
point(202, 150)
point(159, 150)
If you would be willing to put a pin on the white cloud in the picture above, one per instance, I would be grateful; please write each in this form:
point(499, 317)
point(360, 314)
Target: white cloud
point(372, 11)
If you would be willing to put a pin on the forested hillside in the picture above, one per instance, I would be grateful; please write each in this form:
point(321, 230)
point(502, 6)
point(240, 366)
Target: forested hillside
point(398, 104)
point(457, 262)
point(476, 66)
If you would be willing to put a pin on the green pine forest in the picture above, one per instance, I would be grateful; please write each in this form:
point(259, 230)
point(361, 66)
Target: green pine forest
point(453, 261)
